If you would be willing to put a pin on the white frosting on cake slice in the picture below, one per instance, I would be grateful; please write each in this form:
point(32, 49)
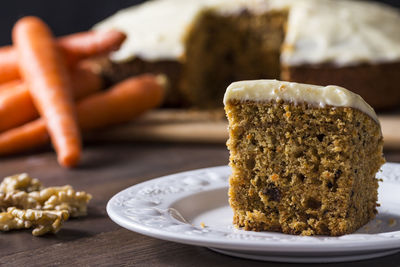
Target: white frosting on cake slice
point(341, 32)
point(321, 96)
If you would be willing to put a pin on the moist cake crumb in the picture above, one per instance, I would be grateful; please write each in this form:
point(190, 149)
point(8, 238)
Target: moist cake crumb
point(310, 173)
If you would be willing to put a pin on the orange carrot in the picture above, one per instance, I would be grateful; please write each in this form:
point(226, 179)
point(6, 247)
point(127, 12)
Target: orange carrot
point(9, 85)
point(46, 75)
point(86, 44)
point(122, 103)
point(75, 47)
point(8, 64)
point(24, 138)
point(17, 108)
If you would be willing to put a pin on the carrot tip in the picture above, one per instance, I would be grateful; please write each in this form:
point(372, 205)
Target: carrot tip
point(69, 161)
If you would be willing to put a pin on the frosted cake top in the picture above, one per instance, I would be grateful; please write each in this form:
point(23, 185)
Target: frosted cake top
point(342, 32)
point(322, 96)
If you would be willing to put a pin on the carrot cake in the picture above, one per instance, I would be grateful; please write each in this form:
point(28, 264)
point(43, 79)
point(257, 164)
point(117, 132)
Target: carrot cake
point(303, 157)
point(203, 45)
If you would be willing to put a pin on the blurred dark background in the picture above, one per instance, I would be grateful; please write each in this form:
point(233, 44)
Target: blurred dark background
point(68, 16)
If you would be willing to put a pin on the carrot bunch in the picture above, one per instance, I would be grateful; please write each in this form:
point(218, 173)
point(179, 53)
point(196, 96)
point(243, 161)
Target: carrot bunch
point(41, 78)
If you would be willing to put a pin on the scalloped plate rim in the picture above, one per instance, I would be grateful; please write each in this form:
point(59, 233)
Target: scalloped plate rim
point(330, 245)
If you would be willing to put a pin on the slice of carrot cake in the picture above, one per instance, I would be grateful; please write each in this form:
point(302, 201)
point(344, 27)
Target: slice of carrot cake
point(303, 157)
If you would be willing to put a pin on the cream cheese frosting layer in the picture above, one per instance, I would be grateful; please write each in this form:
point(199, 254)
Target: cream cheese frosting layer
point(322, 96)
point(341, 32)
point(155, 29)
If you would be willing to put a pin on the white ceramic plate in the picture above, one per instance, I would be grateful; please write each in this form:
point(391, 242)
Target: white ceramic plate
point(192, 208)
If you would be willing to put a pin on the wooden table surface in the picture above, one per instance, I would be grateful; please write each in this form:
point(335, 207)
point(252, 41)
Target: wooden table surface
point(95, 240)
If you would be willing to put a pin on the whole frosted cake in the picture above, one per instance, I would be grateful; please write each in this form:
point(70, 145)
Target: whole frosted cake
point(303, 157)
point(203, 45)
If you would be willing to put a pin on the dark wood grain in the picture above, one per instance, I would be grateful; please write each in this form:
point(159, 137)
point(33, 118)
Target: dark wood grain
point(95, 240)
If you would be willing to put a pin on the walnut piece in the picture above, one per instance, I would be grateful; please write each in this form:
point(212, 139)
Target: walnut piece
point(25, 203)
point(18, 199)
point(66, 198)
point(20, 182)
point(43, 221)
point(51, 198)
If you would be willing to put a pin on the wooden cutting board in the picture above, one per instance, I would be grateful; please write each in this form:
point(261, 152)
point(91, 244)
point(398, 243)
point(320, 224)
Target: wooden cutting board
point(203, 127)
